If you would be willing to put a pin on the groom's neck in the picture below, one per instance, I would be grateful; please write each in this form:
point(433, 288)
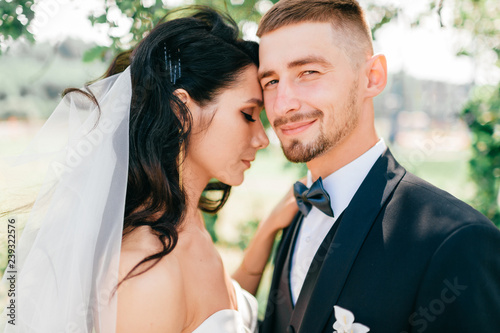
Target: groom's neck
point(340, 155)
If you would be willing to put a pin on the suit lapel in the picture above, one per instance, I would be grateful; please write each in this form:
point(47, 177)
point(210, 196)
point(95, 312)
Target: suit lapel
point(284, 248)
point(357, 221)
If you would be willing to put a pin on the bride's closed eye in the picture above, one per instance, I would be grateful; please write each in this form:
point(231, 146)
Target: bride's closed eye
point(248, 116)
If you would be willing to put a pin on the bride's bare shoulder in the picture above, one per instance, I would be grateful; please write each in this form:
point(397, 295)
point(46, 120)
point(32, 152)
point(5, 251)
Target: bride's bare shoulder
point(154, 299)
point(163, 273)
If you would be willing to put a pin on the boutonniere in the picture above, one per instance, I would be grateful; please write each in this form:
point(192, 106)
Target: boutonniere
point(345, 322)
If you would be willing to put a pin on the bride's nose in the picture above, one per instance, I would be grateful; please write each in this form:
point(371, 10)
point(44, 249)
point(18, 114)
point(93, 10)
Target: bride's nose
point(259, 137)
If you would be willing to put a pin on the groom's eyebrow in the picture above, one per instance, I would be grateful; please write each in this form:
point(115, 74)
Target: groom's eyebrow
point(313, 59)
point(265, 74)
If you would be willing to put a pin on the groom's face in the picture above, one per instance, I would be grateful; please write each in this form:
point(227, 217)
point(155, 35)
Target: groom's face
point(311, 92)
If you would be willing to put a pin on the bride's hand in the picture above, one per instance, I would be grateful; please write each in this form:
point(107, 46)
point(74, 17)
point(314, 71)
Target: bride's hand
point(257, 253)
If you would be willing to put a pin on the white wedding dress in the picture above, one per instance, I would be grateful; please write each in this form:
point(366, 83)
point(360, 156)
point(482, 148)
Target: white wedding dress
point(243, 320)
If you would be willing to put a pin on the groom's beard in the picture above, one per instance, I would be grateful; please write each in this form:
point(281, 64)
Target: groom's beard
point(299, 152)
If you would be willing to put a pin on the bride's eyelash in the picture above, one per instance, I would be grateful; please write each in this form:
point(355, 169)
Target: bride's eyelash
point(248, 117)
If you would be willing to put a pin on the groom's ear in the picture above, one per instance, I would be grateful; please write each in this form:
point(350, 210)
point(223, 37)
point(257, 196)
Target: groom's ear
point(376, 75)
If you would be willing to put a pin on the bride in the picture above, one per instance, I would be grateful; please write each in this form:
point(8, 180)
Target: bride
point(116, 240)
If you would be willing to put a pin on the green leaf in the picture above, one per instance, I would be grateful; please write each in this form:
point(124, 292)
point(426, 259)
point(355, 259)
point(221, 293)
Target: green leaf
point(101, 19)
point(97, 52)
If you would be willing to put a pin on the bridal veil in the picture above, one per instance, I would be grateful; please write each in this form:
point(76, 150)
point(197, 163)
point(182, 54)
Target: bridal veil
point(66, 262)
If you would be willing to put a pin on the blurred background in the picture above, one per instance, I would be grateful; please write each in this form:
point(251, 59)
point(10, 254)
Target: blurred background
point(439, 114)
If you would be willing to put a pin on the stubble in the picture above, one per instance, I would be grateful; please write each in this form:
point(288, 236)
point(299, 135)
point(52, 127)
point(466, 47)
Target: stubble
point(328, 138)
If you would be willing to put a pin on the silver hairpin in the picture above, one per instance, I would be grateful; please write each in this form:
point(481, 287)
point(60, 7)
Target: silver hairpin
point(175, 70)
point(179, 61)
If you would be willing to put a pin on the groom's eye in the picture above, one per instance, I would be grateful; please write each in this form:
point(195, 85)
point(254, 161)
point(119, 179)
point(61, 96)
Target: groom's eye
point(270, 83)
point(308, 73)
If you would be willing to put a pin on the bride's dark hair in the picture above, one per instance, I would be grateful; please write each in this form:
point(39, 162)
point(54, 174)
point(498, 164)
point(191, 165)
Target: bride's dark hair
point(212, 57)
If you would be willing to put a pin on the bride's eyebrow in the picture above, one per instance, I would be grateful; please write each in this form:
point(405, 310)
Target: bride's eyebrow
point(256, 101)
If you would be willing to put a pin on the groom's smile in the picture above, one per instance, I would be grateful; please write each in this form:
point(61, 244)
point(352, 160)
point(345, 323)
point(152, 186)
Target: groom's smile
point(297, 124)
point(296, 127)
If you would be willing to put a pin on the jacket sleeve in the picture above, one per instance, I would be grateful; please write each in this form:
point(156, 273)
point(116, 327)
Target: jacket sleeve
point(460, 290)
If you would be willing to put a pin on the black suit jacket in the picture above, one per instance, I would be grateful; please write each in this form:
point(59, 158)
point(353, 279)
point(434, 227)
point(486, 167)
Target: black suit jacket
point(407, 257)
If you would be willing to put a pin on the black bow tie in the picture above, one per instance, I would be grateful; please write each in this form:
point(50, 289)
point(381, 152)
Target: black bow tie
point(315, 196)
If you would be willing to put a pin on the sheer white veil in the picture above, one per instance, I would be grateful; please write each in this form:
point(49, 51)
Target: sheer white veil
point(66, 262)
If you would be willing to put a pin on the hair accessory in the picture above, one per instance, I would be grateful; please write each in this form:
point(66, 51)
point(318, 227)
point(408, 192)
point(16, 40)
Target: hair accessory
point(172, 64)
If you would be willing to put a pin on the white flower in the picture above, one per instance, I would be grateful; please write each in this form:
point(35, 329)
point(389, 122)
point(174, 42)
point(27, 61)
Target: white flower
point(345, 322)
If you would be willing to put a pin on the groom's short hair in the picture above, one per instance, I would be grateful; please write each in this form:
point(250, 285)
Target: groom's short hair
point(346, 16)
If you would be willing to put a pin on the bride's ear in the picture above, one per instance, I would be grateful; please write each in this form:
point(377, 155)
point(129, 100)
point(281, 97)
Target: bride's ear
point(186, 99)
point(183, 95)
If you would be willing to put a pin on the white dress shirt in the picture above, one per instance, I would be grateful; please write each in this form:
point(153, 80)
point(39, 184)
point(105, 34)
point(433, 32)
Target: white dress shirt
point(341, 186)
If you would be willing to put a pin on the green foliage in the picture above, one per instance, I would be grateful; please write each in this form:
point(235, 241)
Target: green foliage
point(15, 17)
point(480, 19)
point(144, 19)
point(246, 11)
point(210, 220)
point(247, 231)
point(380, 15)
point(482, 114)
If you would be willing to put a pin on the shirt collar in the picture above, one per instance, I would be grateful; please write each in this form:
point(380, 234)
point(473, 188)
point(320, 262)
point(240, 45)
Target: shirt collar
point(343, 183)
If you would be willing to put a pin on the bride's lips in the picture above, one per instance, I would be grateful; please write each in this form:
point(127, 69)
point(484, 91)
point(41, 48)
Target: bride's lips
point(295, 128)
point(247, 162)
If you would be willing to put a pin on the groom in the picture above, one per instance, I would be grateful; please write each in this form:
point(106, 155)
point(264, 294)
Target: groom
point(399, 253)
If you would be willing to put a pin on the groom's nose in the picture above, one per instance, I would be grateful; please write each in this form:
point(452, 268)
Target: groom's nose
point(285, 100)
